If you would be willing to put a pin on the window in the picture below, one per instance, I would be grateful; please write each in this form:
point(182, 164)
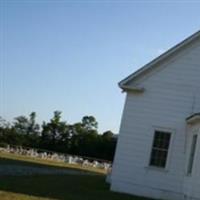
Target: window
point(160, 149)
point(192, 154)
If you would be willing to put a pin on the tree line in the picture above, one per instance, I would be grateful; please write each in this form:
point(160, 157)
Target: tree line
point(81, 138)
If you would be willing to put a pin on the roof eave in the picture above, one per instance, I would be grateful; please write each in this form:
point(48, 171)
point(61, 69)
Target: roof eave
point(131, 89)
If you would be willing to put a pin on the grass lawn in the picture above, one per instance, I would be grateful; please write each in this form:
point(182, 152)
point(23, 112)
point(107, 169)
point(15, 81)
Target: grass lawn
point(62, 187)
point(65, 187)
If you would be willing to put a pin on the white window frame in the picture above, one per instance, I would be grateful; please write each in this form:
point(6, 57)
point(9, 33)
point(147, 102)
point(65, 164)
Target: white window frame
point(170, 149)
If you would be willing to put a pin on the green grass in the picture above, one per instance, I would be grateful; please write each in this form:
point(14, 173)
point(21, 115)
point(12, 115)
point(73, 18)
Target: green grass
point(60, 187)
point(65, 187)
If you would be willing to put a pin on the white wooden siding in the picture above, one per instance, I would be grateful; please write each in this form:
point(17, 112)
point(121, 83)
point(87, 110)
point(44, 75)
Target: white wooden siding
point(172, 93)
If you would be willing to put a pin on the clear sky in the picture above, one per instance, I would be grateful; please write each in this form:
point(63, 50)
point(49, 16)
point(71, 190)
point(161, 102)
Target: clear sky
point(70, 55)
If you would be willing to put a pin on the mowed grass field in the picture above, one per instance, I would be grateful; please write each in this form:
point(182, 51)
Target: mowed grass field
point(82, 186)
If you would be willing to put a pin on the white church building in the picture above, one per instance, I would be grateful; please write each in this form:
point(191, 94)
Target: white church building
point(158, 150)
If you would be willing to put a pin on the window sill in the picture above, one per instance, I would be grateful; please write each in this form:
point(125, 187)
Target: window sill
point(159, 169)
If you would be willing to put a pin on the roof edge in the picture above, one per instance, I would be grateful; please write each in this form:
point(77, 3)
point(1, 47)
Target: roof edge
point(160, 58)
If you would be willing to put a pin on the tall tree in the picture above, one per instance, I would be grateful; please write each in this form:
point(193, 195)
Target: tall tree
point(89, 123)
point(33, 127)
point(27, 129)
point(21, 125)
point(55, 134)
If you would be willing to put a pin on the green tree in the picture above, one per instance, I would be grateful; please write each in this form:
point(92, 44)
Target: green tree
point(89, 123)
point(55, 134)
point(21, 125)
point(27, 129)
point(108, 146)
point(33, 127)
point(80, 138)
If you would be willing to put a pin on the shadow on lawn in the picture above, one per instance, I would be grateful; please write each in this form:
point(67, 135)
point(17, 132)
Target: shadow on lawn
point(62, 187)
point(33, 163)
point(44, 165)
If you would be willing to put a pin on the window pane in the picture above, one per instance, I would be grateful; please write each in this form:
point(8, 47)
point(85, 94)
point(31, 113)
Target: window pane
point(160, 149)
point(161, 140)
point(158, 158)
point(192, 154)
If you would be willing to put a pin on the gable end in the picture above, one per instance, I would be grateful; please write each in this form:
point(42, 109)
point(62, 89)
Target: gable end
point(124, 84)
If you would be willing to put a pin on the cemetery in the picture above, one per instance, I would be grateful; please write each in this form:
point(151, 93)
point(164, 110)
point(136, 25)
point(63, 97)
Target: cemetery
point(38, 176)
point(58, 157)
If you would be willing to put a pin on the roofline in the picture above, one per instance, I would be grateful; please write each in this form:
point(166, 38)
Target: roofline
point(160, 58)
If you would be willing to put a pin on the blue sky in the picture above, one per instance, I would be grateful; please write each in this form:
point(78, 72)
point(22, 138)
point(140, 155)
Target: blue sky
point(70, 55)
